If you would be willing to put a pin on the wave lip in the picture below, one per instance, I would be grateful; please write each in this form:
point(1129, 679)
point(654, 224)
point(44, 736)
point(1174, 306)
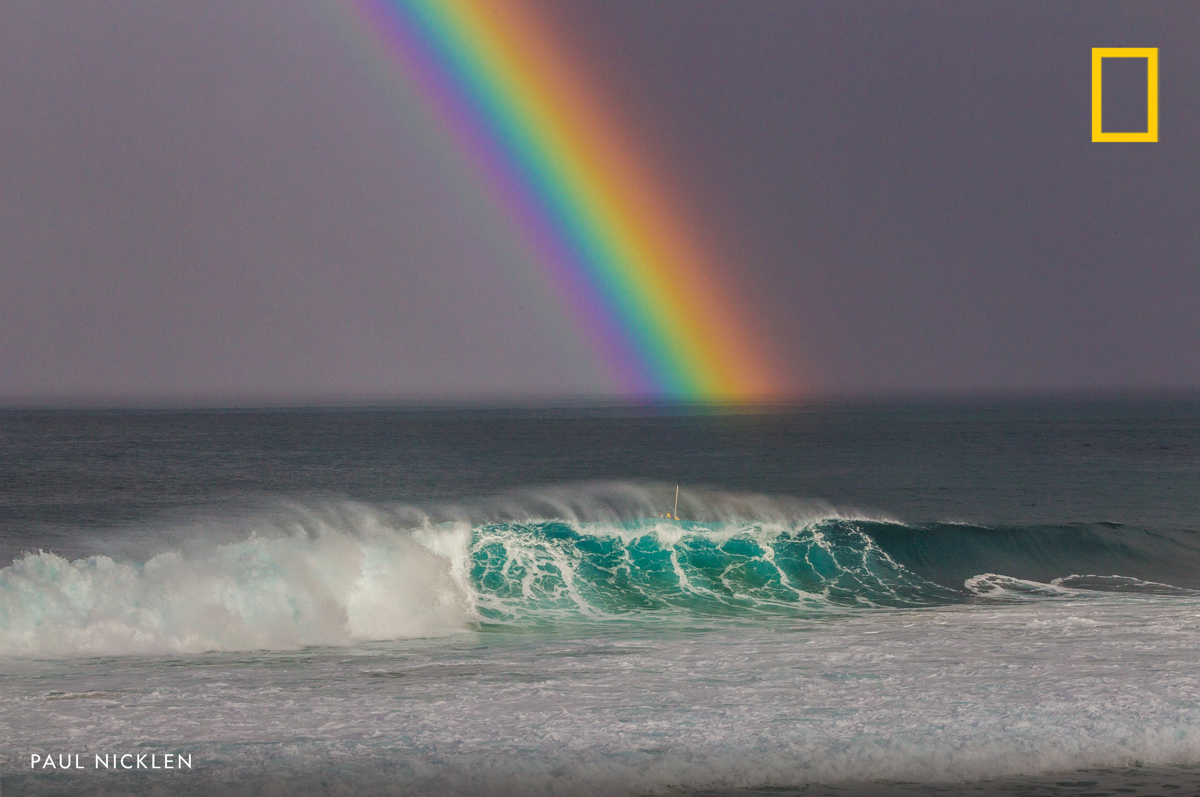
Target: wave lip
point(1121, 584)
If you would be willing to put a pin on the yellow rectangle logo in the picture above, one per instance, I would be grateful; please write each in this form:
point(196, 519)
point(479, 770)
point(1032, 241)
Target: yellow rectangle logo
point(1151, 56)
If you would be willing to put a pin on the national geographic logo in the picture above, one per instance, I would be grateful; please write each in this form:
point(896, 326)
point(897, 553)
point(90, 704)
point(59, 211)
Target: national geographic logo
point(1123, 65)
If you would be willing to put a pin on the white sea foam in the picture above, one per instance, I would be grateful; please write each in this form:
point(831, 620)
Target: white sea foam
point(933, 695)
point(321, 581)
point(996, 586)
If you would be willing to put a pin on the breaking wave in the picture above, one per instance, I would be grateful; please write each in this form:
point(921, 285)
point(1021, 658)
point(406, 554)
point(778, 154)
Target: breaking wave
point(341, 572)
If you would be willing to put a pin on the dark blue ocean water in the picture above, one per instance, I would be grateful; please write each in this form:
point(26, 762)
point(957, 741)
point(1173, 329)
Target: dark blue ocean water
point(963, 595)
point(1079, 473)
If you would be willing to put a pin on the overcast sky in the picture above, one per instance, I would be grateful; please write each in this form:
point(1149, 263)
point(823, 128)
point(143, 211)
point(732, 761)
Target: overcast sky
point(229, 202)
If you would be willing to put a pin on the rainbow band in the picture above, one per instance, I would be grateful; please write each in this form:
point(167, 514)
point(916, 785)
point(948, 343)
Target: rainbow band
point(641, 286)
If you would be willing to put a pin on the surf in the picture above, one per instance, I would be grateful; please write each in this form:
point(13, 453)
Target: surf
point(337, 572)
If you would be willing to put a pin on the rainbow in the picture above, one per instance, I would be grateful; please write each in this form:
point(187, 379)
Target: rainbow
point(608, 235)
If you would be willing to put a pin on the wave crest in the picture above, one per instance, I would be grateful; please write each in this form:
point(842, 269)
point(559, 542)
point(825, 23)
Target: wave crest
point(341, 572)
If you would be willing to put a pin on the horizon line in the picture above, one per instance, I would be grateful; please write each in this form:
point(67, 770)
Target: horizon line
point(168, 404)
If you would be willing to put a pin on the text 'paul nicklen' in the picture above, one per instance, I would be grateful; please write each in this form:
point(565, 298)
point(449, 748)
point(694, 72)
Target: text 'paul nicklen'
point(111, 761)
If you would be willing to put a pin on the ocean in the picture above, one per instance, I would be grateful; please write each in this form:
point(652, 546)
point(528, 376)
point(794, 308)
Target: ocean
point(889, 598)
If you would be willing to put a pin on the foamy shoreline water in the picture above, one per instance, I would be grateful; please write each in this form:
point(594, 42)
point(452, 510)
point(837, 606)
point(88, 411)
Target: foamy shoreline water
point(1139, 781)
point(946, 695)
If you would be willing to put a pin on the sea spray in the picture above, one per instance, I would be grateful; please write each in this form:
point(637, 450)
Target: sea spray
point(323, 586)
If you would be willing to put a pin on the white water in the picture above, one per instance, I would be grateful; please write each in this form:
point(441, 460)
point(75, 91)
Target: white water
point(332, 574)
point(939, 694)
point(321, 583)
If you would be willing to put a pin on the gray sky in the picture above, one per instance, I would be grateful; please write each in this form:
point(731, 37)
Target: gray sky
point(228, 201)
